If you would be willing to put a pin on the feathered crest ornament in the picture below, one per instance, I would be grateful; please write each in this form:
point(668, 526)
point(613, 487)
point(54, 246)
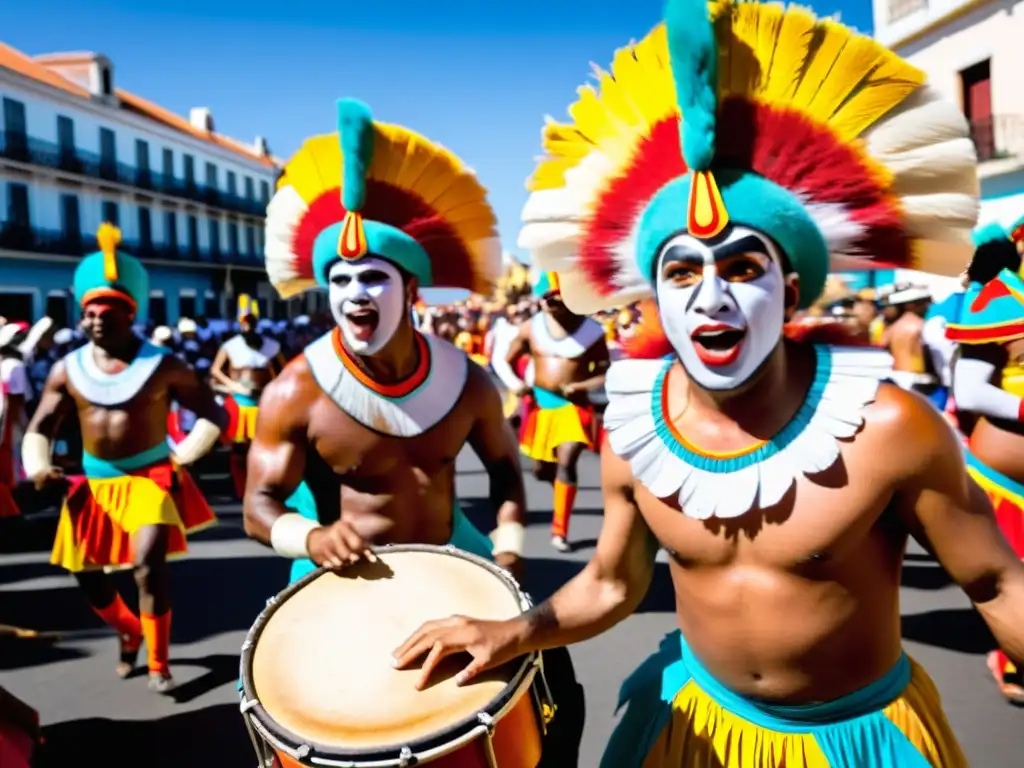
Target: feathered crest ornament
point(384, 190)
point(108, 237)
point(758, 114)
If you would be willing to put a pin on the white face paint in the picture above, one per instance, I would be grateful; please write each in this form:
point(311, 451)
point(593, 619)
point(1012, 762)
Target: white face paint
point(367, 300)
point(730, 296)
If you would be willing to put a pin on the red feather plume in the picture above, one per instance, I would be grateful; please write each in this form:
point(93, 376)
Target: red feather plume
point(450, 260)
point(781, 145)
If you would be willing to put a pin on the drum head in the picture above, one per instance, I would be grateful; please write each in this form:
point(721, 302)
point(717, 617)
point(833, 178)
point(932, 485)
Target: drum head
point(321, 665)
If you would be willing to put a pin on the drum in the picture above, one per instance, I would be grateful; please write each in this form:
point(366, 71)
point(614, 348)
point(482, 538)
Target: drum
point(319, 687)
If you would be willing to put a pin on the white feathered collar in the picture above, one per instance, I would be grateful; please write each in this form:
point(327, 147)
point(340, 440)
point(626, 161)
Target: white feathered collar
point(406, 409)
point(109, 389)
point(726, 486)
point(571, 346)
point(241, 355)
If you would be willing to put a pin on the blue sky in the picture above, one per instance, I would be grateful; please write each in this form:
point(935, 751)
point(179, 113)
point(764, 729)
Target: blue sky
point(479, 77)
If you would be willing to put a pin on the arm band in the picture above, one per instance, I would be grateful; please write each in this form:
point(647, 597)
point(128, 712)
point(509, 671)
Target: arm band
point(35, 454)
point(289, 533)
point(200, 440)
point(509, 538)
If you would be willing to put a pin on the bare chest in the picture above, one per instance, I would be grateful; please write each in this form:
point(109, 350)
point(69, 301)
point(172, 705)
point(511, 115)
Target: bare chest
point(369, 457)
point(821, 521)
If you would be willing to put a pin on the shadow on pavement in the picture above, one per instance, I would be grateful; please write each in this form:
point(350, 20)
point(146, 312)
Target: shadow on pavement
point(210, 597)
point(927, 577)
point(214, 737)
point(220, 668)
point(956, 629)
point(20, 653)
point(12, 574)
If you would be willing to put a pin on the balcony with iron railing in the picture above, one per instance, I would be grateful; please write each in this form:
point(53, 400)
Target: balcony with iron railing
point(26, 149)
point(999, 137)
point(27, 239)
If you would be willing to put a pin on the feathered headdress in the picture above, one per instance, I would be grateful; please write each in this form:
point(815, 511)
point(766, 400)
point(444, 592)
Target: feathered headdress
point(764, 116)
point(248, 307)
point(1017, 232)
point(112, 273)
point(647, 341)
point(379, 189)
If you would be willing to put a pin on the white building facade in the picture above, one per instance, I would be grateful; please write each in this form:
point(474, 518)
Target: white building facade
point(973, 53)
point(76, 151)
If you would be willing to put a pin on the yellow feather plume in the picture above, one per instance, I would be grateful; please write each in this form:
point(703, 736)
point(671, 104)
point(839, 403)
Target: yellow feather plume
point(108, 237)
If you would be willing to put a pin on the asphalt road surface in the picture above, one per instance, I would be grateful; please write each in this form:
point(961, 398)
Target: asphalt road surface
point(91, 716)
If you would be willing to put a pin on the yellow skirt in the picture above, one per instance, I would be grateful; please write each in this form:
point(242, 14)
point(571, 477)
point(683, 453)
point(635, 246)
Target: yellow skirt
point(896, 722)
point(100, 515)
point(554, 421)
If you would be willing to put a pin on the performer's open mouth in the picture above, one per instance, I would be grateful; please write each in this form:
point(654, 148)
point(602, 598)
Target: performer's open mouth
point(718, 344)
point(362, 323)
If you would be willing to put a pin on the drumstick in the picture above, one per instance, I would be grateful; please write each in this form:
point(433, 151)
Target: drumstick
point(6, 630)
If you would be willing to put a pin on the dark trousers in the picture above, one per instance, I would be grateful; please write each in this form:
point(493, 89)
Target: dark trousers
point(561, 745)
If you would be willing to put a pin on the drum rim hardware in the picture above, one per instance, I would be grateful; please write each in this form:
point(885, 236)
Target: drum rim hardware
point(434, 745)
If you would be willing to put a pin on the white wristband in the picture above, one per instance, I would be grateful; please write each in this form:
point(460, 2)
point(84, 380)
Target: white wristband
point(35, 454)
point(509, 538)
point(289, 533)
point(200, 440)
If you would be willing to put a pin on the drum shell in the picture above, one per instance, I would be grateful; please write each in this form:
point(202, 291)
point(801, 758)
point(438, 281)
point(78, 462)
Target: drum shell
point(516, 741)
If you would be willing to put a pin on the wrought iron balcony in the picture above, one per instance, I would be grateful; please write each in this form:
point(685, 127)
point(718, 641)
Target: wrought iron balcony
point(998, 137)
point(27, 239)
point(26, 149)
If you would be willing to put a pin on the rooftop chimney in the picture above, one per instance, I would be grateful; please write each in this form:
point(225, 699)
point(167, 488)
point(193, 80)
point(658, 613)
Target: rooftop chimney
point(90, 71)
point(260, 146)
point(201, 119)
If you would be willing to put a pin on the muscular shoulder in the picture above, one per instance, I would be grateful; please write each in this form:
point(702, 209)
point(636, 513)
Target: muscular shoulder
point(292, 391)
point(479, 392)
point(57, 378)
point(906, 429)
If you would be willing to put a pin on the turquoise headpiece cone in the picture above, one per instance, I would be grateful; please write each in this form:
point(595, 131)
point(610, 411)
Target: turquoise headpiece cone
point(110, 273)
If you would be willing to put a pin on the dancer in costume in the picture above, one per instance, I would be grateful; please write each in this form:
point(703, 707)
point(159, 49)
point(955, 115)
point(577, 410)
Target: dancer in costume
point(568, 358)
point(242, 368)
point(135, 503)
point(754, 460)
point(988, 384)
point(373, 403)
point(914, 363)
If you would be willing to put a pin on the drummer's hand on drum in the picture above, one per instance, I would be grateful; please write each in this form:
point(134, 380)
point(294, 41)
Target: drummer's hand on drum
point(342, 543)
point(490, 643)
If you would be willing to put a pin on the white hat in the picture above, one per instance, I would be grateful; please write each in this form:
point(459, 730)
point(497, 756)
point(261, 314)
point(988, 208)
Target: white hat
point(7, 333)
point(162, 334)
point(64, 336)
point(187, 325)
point(908, 295)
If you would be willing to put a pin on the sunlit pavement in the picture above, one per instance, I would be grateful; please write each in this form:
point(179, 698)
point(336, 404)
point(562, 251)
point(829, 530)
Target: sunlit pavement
point(224, 583)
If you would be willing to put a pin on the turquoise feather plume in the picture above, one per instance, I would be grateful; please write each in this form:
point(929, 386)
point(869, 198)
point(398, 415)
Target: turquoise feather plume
point(355, 129)
point(694, 53)
point(989, 233)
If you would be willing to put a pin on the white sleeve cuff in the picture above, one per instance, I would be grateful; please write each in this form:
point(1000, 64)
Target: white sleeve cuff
point(289, 533)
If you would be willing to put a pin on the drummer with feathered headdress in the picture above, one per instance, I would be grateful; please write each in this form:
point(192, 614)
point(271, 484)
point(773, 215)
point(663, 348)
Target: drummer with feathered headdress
point(372, 213)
